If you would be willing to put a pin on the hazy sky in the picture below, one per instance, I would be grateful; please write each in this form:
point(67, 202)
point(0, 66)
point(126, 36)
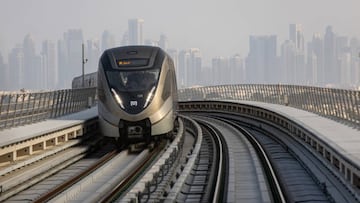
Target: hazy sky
point(217, 27)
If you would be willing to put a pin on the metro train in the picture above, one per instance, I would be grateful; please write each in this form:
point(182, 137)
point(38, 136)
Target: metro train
point(90, 80)
point(137, 94)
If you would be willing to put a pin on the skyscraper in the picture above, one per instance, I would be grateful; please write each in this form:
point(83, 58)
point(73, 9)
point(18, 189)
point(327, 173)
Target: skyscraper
point(184, 65)
point(175, 56)
point(194, 73)
point(355, 61)
point(63, 61)
point(49, 71)
point(16, 65)
point(189, 67)
point(311, 66)
point(4, 75)
point(237, 71)
point(220, 70)
point(93, 55)
point(330, 61)
point(343, 57)
point(296, 35)
point(107, 41)
point(317, 48)
point(136, 31)
point(31, 73)
point(288, 62)
point(70, 57)
point(163, 42)
point(261, 63)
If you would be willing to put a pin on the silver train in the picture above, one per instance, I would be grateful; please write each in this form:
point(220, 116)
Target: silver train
point(90, 80)
point(137, 93)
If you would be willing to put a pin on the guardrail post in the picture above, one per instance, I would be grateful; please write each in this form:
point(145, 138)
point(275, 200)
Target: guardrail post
point(57, 103)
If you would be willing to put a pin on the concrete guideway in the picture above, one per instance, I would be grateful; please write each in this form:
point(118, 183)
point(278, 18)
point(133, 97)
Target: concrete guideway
point(335, 144)
point(17, 143)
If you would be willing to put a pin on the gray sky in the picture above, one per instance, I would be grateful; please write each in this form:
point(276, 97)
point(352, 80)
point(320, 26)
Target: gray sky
point(217, 27)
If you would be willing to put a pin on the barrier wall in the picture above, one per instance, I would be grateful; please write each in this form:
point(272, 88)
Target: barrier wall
point(25, 108)
point(338, 104)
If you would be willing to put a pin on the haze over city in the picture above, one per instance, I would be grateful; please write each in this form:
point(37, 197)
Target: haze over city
point(215, 28)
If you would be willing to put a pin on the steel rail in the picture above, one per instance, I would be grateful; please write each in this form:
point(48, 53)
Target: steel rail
point(62, 187)
point(218, 195)
point(275, 186)
point(130, 178)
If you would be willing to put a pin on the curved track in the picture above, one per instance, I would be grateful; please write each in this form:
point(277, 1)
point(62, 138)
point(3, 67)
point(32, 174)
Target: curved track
point(221, 158)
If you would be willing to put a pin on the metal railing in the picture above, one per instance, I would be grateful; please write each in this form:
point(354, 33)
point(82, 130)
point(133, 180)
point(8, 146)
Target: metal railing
point(25, 108)
point(340, 105)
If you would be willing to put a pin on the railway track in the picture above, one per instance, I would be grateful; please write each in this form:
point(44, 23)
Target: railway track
point(122, 170)
point(23, 174)
point(250, 176)
point(299, 172)
point(205, 182)
point(213, 158)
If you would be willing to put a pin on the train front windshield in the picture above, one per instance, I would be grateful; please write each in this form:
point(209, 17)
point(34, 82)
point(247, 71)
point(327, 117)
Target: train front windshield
point(133, 89)
point(133, 81)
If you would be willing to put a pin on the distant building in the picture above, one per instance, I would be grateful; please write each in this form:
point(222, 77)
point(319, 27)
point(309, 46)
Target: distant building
point(343, 56)
point(316, 59)
point(150, 42)
point(189, 72)
point(355, 62)
point(70, 57)
point(125, 39)
point(136, 31)
point(296, 35)
point(16, 65)
point(331, 71)
point(227, 70)
point(163, 42)
point(63, 61)
point(93, 55)
point(4, 75)
point(237, 70)
point(220, 71)
point(311, 66)
point(49, 71)
point(107, 41)
point(174, 54)
point(184, 66)
point(261, 63)
point(32, 65)
point(288, 62)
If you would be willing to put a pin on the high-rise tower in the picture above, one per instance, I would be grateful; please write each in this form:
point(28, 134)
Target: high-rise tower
point(107, 41)
point(49, 71)
point(261, 62)
point(16, 65)
point(163, 42)
point(4, 75)
point(32, 65)
point(136, 31)
point(296, 35)
point(330, 57)
point(70, 57)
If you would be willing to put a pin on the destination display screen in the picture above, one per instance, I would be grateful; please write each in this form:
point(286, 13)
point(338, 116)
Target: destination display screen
point(132, 62)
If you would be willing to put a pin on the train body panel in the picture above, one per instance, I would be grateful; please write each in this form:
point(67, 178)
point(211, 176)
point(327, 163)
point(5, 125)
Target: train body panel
point(137, 93)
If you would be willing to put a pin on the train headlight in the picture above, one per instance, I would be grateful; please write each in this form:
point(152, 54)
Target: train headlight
point(117, 98)
point(149, 97)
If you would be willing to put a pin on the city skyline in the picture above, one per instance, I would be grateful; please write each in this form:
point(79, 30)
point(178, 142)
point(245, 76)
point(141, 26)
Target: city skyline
point(331, 60)
point(218, 28)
